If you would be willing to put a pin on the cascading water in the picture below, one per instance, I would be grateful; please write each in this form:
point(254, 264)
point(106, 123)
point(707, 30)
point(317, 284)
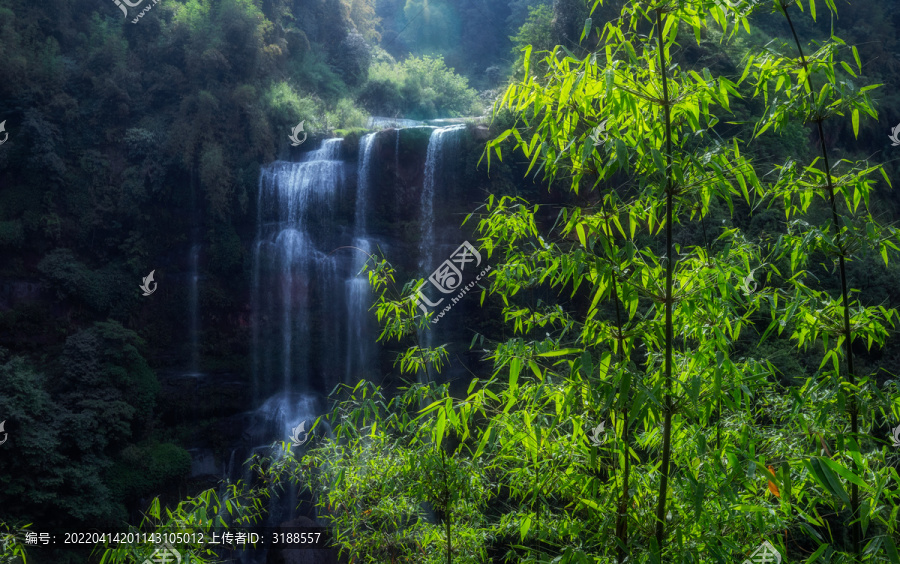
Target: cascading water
point(193, 308)
point(298, 300)
point(294, 274)
point(442, 141)
point(312, 328)
point(358, 339)
point(397, 154)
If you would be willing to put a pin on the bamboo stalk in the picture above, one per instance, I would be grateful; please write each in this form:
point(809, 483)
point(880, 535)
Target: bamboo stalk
point(667, 408)
point(855, 532)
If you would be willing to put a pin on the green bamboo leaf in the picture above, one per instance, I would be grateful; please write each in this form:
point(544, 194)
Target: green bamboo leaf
point(658, 161)
point(621, 153)
point(515, 366)
point(750, 508)
point(844, 472)
point(815, 555)
point(591, 503)
point(834, 485)
point(560, 352)
point(525, 526)
point(855, 119)
point(582, 235)
point(891, 548)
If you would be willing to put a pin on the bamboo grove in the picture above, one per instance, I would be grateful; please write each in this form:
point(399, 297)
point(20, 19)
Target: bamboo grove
point(641, 314)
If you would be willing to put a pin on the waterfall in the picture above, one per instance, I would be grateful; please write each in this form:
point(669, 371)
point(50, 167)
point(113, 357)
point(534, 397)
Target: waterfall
point(310, 320)
point(362, 182)
point(397, 155)
point(311, 324)
point(295, 276)
point(193, 308)
point(358, 339)
point(439, 143)
point(312, 328)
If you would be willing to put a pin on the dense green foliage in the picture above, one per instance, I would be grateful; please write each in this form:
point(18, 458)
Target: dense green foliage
point(424, 86)
point(708, 451)
point(71, 430)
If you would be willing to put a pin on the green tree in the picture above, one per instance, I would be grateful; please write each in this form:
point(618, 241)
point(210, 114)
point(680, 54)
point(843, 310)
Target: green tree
point(536, 33)
point(625, 116)
point(814, 89)
point(362, 12)
point(645, 332)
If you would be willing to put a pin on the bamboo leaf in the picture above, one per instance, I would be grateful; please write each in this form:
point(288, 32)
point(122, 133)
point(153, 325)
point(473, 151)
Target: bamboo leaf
point(844, 472)
point(560, 352)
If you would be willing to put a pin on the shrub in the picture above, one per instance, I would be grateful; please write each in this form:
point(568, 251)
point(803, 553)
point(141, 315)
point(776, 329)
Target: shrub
point(11, 233)
point(346, 115)
point(421, 88)
point(144, 469)
point(537, 31)
point(286, 107)
point(313, 72)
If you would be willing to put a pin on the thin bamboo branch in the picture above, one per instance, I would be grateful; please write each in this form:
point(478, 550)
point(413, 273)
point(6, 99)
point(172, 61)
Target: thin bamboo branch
point(852, 408)
point(667, 407)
